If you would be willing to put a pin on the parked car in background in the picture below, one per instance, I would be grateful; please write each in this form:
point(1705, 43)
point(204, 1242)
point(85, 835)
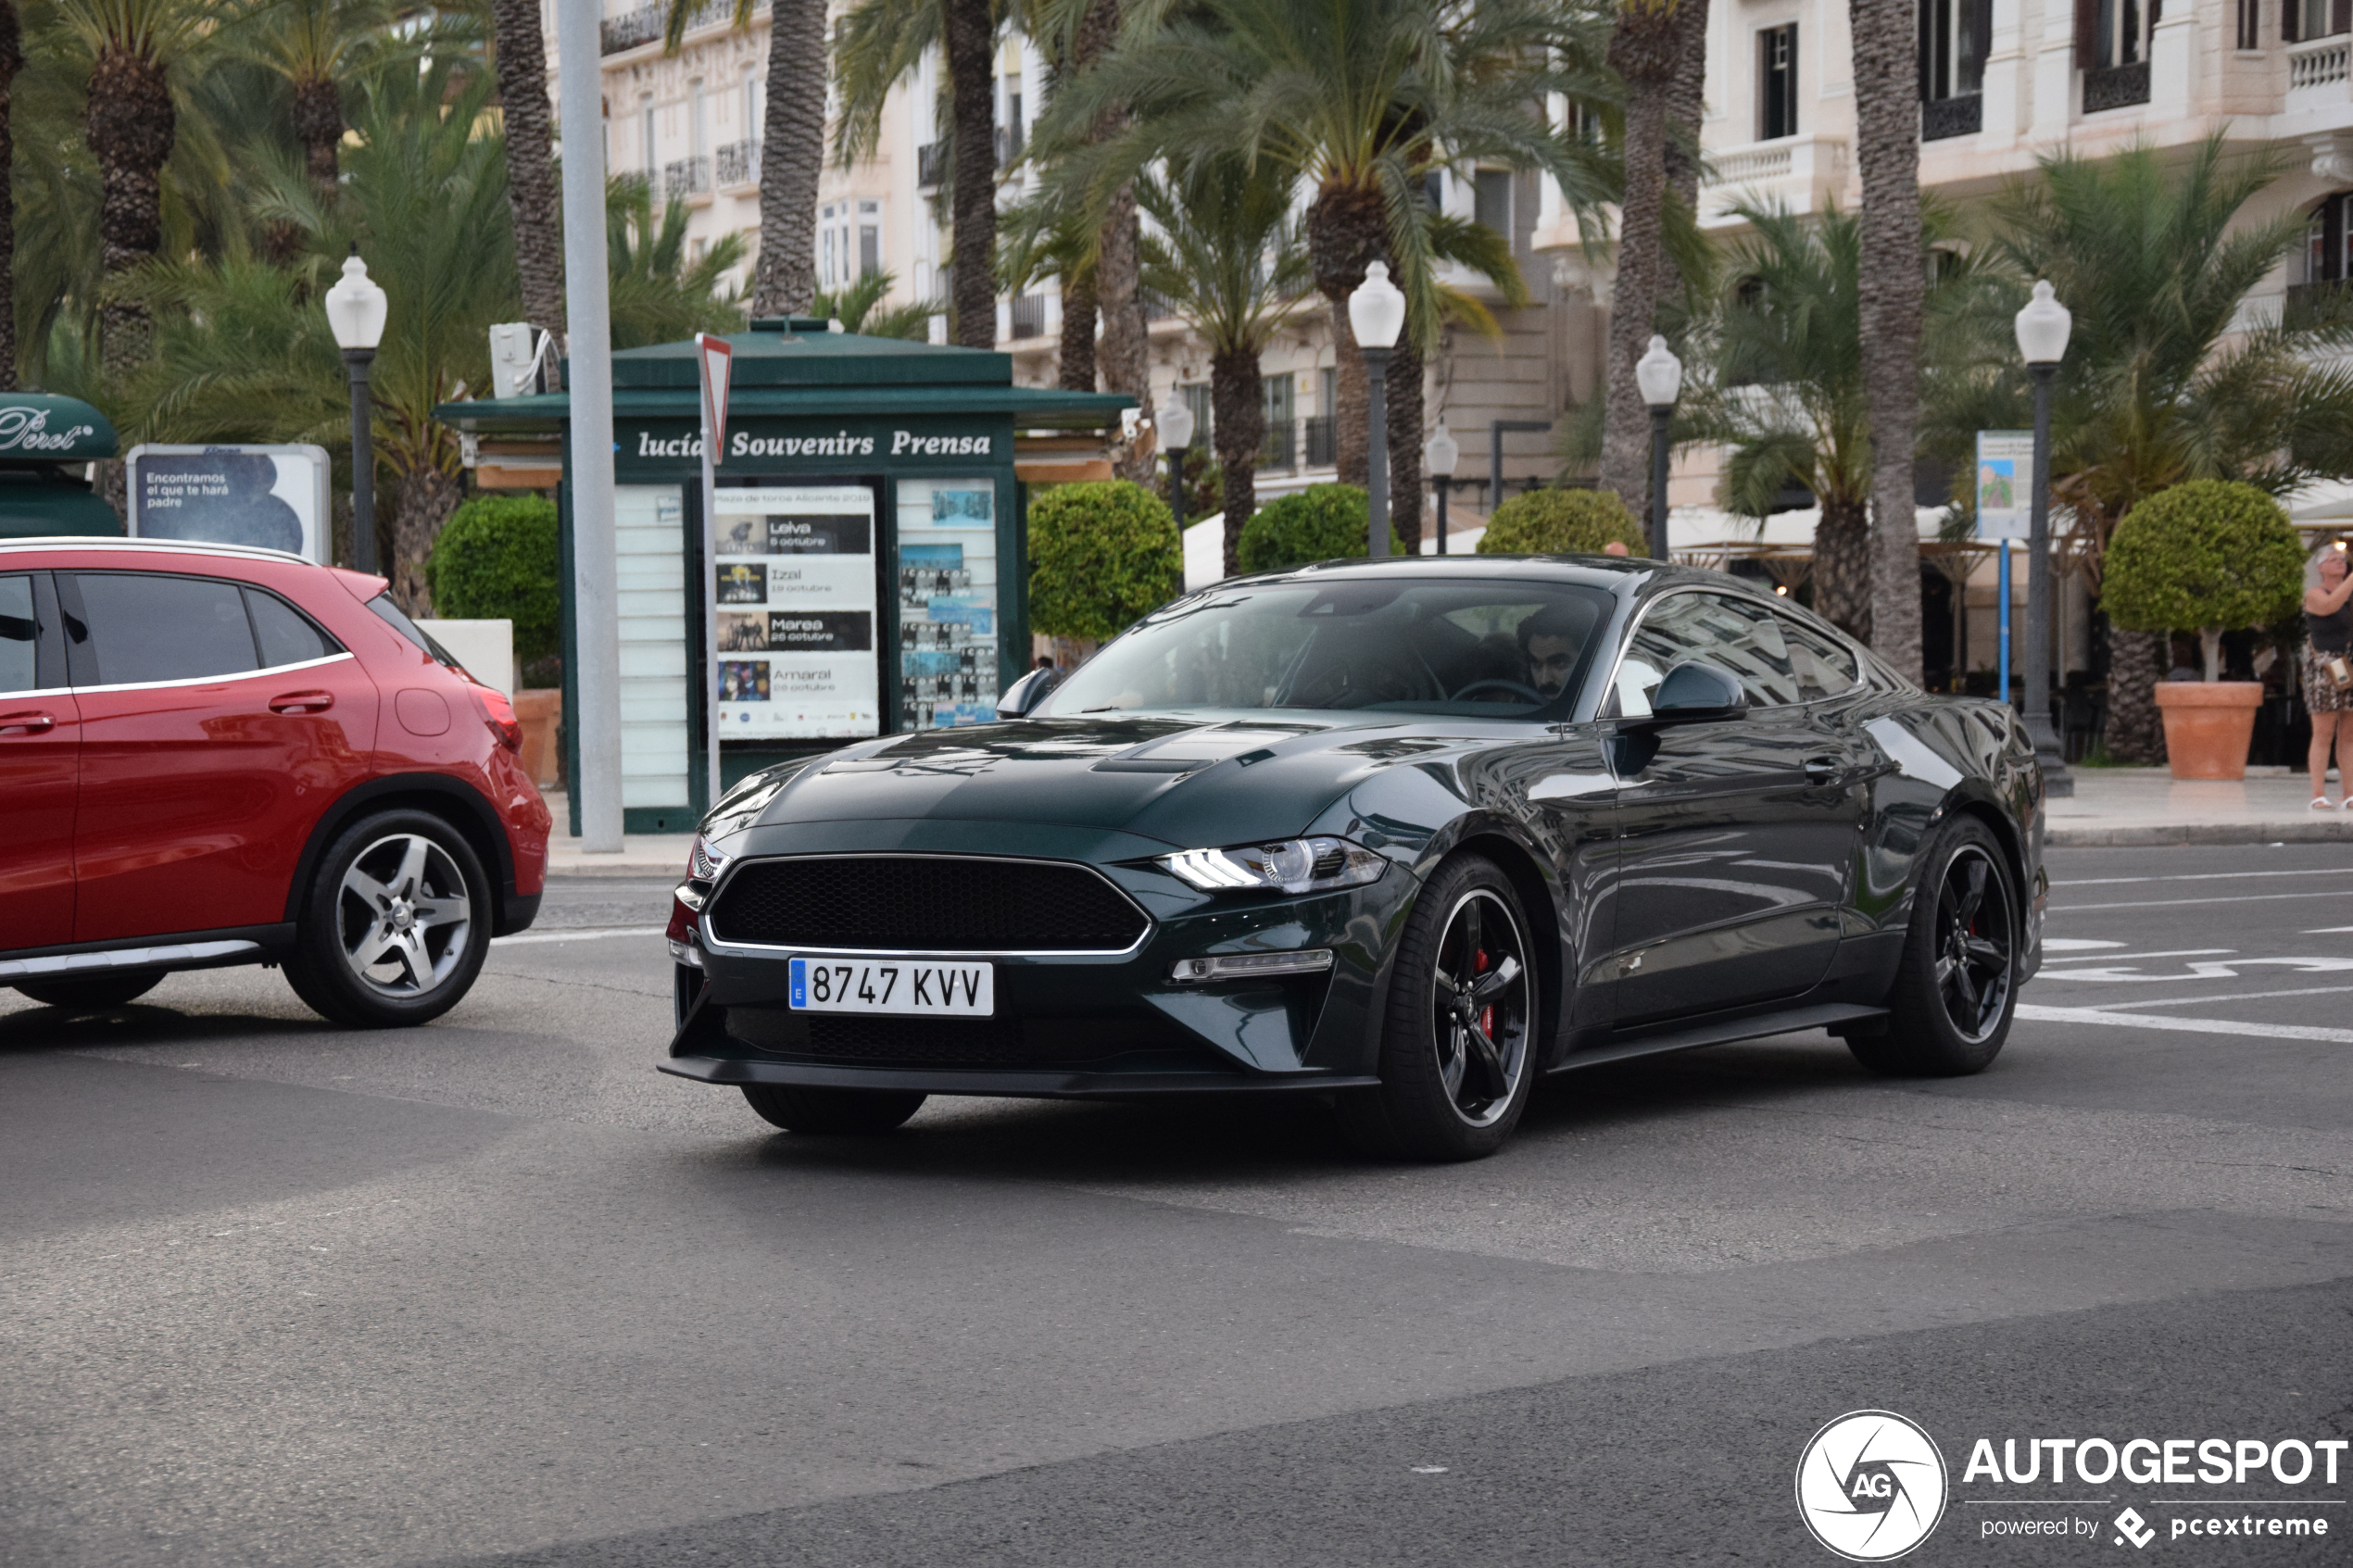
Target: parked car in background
point(212, 754)
point(1408, 834)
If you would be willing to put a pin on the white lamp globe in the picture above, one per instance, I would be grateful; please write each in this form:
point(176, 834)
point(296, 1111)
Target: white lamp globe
point(1376, 310)
point(1442, 452)
point(1176, 422)
point(1659, 374)
point(356, 307)
point(2043, 327)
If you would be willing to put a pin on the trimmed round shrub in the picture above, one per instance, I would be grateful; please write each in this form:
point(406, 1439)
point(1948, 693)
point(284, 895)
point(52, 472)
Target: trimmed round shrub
point(498, 559)
point(2206, 555)
point(1561, 522)
point(1322, 522)
point(1103, 555)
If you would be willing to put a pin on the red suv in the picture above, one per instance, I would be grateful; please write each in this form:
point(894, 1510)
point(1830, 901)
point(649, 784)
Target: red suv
point(212, 754)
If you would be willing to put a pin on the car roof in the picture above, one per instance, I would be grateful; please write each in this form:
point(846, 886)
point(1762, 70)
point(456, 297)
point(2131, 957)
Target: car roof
point(1622, 575)
point(153, 546)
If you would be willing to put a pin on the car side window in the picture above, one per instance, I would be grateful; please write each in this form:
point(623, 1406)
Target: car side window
point(143, 627)
point(1742, 639)
point(1824, 666)
point(283, 634)
point(19, 637)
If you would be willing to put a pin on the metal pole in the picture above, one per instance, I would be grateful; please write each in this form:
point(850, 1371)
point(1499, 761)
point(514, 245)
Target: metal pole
point(595, 587)
point(1376, 451)
point(2057, 780)
point(356, 362)
point(1659, 416)
point(710, 602)
point(1177, 483)
point(2002, 595)
point(1444, 483)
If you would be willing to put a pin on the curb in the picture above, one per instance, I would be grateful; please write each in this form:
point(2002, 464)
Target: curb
point(2163, 833)
point(622, 865)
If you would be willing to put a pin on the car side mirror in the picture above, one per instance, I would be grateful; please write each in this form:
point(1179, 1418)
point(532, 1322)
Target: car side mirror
point(1022, 697)
point(1694, 691)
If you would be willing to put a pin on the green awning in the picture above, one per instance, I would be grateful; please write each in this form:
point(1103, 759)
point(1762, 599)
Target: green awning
point(41, 427)
point(32, 507)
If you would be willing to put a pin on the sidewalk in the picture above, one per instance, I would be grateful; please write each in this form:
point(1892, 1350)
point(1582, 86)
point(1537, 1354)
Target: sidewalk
point(2148, 806)
point(642, 853)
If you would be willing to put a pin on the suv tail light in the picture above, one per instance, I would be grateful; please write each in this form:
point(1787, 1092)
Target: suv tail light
point(499, 713)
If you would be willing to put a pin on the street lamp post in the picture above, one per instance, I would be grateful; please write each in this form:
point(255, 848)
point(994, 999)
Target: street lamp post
point(2043, 327)
point(1659, 375)
point(1176, 430)
point(356, 309)
point(1375, 315)
point(1440, 454)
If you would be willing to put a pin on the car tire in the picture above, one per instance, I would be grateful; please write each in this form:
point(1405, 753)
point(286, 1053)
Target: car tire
point(404, 888)
point(832, 1111)
point(92, 992)
point(1956, 986)
point(1458, 1042)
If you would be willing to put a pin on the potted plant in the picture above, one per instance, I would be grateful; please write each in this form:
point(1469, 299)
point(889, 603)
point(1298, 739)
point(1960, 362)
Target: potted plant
point(2209, 556)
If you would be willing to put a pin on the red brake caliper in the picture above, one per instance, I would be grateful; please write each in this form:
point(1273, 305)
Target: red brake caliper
point(1486, 1014)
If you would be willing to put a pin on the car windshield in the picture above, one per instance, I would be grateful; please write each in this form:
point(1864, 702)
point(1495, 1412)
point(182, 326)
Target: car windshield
point(1477, 649)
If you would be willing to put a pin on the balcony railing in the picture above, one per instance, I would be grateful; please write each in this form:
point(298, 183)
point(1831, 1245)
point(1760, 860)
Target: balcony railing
point(1279, 451)
point(739, 163)
point(1029, 312)
point(1323, 451)
point(689, 176)
point(2114, 87)
point(2319, 63)
point(2308, 305)
point(931, 165)
point(1157, 307)
point(1945, 118)
point(645, 24)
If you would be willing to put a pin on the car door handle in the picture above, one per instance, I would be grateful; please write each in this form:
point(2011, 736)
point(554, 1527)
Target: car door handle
point(29, 723)
point(1823, 769)
point(302, 702)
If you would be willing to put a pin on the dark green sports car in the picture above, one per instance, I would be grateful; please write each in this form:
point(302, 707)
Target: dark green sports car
point(1405, 834)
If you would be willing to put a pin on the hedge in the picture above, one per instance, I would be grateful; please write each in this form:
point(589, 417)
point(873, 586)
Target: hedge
point(1103, 555)
point(498, 559)
point(1557, 522)
point(1322, 522)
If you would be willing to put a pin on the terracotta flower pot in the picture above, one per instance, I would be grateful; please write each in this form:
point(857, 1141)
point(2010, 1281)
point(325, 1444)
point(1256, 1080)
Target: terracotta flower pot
point(2208, 725)
point(539, 712)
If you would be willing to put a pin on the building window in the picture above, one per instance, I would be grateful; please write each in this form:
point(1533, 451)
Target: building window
point(2112, 47)
point(2250, 28)
point(1777, 82)
point(869, 238)
point(2120, 33)
point(1953, 37)
point(828, 275)
point(2303, 20)
point(753, 123)
point(646, 138)
point(1492, 200)
point(2328, 242)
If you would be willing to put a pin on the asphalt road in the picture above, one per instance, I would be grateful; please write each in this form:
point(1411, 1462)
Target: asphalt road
point(494, 1291)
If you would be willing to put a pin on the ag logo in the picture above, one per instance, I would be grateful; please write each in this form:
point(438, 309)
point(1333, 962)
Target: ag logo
point(1870, 1485)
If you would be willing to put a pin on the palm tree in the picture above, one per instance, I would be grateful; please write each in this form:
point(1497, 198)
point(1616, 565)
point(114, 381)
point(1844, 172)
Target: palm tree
point(2162, 381)
point(519, 56)
point(11, 61)
point(1887, 155)
point(859, 308)
point(313, 46)
point(132, 48)
point(880, 43)
point(658, 295)
point(1362, 101)
point(792, 148)
point(1228, 252)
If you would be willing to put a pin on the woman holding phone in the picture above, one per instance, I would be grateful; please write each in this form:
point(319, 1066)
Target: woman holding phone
point(2328, 674)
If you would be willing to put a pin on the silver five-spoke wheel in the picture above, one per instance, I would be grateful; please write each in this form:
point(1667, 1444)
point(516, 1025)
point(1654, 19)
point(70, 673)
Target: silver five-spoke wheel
point(1479, 1006)
point(403, 913)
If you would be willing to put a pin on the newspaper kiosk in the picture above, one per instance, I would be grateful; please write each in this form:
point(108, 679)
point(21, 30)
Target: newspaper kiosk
point(869, 568)
point(46, 443)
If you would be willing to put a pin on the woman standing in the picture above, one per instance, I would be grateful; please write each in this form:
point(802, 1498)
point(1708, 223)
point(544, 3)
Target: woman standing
point(2328, 628)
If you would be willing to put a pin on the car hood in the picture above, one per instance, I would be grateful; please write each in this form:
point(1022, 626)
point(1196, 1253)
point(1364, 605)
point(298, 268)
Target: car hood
point(1185, 781)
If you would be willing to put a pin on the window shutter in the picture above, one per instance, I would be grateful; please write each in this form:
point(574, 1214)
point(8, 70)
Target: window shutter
point(2287, 22)
point(2341, 17)
point(2087, 33)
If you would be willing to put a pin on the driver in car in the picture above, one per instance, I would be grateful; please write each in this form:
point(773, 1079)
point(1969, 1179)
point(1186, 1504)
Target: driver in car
point(1548, 647)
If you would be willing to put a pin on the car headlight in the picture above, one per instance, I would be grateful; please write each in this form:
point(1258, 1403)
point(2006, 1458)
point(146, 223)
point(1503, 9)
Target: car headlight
point(1293, 865)
point(703, 862)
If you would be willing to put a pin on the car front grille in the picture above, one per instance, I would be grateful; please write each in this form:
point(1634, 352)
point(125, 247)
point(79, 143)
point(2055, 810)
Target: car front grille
point(976, 1041)
point(925, 903)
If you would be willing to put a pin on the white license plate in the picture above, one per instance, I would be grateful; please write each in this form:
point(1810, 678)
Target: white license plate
point(912, 987)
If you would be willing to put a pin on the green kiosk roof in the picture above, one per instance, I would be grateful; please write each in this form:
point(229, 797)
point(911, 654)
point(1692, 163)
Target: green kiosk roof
point(784, 369)
point(41, 433)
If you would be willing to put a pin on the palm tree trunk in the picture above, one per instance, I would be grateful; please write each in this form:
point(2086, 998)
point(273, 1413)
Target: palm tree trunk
point(1645, 47)
point(11, 61)
point(317, 127)
point(1887, 153)
point(973, 225)
point(531, 171)
point(1346, 229)
point(422, 500)
point(1123, 356)
point(792, 153)
point(1686, 100)
point(1405, 442)
point(1843, 565)
point(130, 125)
point(2135, 728)
point(1076, 370)
point(1238, 405)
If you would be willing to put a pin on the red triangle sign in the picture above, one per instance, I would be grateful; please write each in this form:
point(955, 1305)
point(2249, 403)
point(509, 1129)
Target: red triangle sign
point(716, 356)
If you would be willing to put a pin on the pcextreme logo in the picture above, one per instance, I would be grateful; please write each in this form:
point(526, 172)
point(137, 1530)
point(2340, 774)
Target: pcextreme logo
point(1871, 1485)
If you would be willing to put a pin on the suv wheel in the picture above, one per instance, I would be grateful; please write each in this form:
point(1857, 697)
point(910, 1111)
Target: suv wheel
point(394, 924)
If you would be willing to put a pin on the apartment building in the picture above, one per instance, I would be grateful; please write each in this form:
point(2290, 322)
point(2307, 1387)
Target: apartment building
point(2002, 80)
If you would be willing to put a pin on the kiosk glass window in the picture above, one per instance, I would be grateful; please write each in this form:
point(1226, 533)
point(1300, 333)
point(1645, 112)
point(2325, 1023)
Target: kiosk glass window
point(650, 544)
point(795, 606)
point(947, 572)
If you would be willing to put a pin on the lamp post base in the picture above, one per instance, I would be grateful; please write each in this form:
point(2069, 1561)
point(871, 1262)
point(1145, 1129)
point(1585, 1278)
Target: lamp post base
point(2058, 784)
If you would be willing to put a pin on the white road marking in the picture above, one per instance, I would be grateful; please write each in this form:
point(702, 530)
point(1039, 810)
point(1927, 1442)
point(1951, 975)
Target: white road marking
point(2184, 1026)
point(2213, 969)
point(2198, 876)
point(2327, 931)
point(2120, 958)
point(2074, 944)
point(2178, 903)
point(2244, 997)
point(582, 936)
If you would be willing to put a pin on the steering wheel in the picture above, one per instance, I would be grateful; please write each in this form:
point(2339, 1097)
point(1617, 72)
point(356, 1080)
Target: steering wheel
point(1530, 693)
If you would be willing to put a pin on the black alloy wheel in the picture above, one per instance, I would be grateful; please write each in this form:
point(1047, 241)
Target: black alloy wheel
point(1457, 1054)
point(92, 992)
point(1957, 987)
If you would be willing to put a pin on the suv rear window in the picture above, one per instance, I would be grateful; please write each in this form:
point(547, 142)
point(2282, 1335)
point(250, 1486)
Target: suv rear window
point(146, 627)
point(392, 615)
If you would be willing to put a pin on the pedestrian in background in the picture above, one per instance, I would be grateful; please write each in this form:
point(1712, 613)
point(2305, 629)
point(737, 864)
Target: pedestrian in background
point(2328, 671)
